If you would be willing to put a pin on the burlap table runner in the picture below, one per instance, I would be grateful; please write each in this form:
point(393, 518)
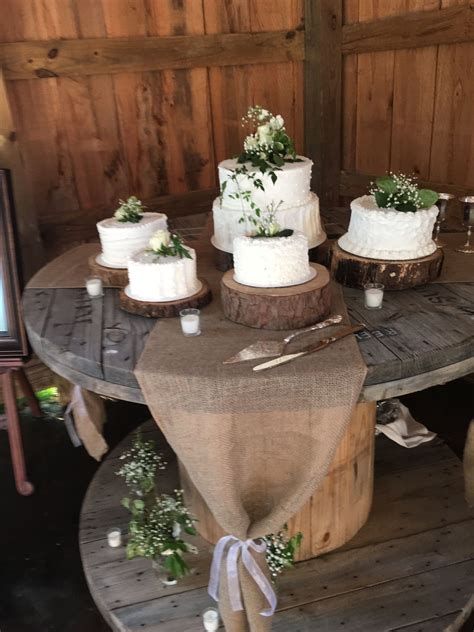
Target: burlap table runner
point(256, 446)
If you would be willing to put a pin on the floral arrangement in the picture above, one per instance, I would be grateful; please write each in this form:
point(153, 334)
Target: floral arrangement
point(141, 463)
point(269, 145)
point(281, 549)
point(165, 244)
point(400, 192)
point(158, 522)
point(130, 211)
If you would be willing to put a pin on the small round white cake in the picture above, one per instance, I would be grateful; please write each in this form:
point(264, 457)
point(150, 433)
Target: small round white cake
point(120, 239)
point(298, 207)
point(388, 234)
point(157, 279)
point(272, 261)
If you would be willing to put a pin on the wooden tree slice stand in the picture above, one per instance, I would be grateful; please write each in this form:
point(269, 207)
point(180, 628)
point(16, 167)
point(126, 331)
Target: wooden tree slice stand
point(277, 308)
point(336, 510)
point(111, 277)
point(167, 309)
point(354, 271)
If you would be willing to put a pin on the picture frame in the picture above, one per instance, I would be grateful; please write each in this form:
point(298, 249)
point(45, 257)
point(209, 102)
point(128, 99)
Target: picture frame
point(13, 340)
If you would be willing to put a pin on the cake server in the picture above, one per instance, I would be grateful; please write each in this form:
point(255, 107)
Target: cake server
point(271, 348)
point(317, 346)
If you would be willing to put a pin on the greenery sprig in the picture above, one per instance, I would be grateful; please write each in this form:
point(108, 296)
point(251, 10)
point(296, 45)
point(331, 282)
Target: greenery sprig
point(130, 211)
point(400, 192)
point(165, 244)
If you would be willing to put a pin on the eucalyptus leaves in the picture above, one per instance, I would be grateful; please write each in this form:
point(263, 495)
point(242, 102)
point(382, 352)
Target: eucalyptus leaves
point(130, 211)
point(400, 192)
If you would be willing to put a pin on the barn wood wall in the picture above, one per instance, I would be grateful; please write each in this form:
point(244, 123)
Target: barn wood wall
point(387, 86)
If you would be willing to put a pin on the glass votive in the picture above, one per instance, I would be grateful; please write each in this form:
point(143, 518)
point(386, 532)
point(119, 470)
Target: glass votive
point(190, 322)
point(114, 537)
point(94, 287)
point(373, 295)
point(210, 619)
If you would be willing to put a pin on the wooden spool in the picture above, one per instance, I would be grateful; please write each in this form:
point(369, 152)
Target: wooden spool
point(111, 277)
point(167, 309)
point(354, 271)
point(277, 308)
point(337, 509)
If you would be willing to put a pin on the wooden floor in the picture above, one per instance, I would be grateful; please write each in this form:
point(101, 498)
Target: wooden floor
point(410, 569)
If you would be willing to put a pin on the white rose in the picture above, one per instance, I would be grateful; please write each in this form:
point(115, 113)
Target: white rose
point(264, 135)
point(159, 239)
point(274, 228)
point(276, 122)
point(120, 214)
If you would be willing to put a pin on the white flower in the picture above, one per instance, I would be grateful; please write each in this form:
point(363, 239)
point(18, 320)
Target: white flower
point(176, 529)
point(250, 143)
point(273, 228)
point(276, 122)
point(120, 213)
point(159, 239)
point(168, 552)
point(191, 548)
point(264, 134)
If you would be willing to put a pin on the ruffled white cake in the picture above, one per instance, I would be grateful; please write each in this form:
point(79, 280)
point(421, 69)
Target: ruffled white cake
point(298, 207)
point(387, 234)
point(272, 261)
point(156, 279)
point(121, 239)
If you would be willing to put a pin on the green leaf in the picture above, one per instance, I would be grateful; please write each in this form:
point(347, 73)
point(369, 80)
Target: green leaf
point(386, 184)
point(139, 504)
point(278, 160)
point(428, 198)
point(382, 199)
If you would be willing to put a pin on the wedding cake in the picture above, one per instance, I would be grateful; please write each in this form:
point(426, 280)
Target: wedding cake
point(268, 173)
point(128, 231)
point(166, 271)
point(272, 261)
point(394, 223)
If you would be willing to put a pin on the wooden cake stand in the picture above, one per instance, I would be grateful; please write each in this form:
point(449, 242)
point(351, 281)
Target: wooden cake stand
point(277, 308)
point(354, 271)
point(166, 309)
point(112, 277)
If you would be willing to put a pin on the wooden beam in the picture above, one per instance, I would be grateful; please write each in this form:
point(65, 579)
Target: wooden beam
point(411, 30)
point(323, 77)
point(59, 58)
point(31, 247)
point(355, 184)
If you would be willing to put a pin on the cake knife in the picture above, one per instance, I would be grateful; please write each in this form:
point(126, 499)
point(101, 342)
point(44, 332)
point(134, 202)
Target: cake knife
point(317, 346)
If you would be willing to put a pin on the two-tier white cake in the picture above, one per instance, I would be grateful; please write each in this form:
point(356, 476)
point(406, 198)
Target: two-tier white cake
point(272, 261)
point(388, 234)
point(298, 207)
point(156, 278)
point(120, 239)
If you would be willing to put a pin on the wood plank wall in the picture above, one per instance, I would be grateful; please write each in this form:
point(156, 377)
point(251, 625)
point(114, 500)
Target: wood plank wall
point(408, 98)
point(117, 97)
point(88, 139)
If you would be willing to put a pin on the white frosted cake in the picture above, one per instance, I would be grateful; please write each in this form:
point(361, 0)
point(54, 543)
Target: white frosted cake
point(272, 261)
point(156, 279)
point(388, 234)
point(120, 239)
point(298, 207)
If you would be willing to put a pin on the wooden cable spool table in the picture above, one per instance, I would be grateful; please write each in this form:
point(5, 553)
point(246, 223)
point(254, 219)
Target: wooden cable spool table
point(421, 337)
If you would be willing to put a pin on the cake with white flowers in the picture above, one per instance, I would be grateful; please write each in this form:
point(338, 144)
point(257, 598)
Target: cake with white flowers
point(268, 173)
point(275, 261)
point(394, 223)
point(129, 230)
point(165, 271)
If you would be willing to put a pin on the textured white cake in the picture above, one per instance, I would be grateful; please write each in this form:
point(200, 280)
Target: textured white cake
point(121, 239)
point(157, 279)
point(299, 208)
point(387, 234)
point(272, 261)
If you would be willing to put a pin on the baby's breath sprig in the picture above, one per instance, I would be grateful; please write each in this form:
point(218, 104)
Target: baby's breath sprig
point(141, 463)
point(281, 549)
point(401, 192)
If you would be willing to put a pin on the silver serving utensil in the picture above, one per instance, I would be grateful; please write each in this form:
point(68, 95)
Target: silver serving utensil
point(272, 348)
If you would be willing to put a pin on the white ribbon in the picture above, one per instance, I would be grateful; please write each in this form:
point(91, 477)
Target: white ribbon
point(243, 547)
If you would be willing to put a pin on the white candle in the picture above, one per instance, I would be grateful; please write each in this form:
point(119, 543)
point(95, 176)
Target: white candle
point(190, 322)
point(114, 537)
point(373, 294)
point(94, 287)
point(210, 619)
